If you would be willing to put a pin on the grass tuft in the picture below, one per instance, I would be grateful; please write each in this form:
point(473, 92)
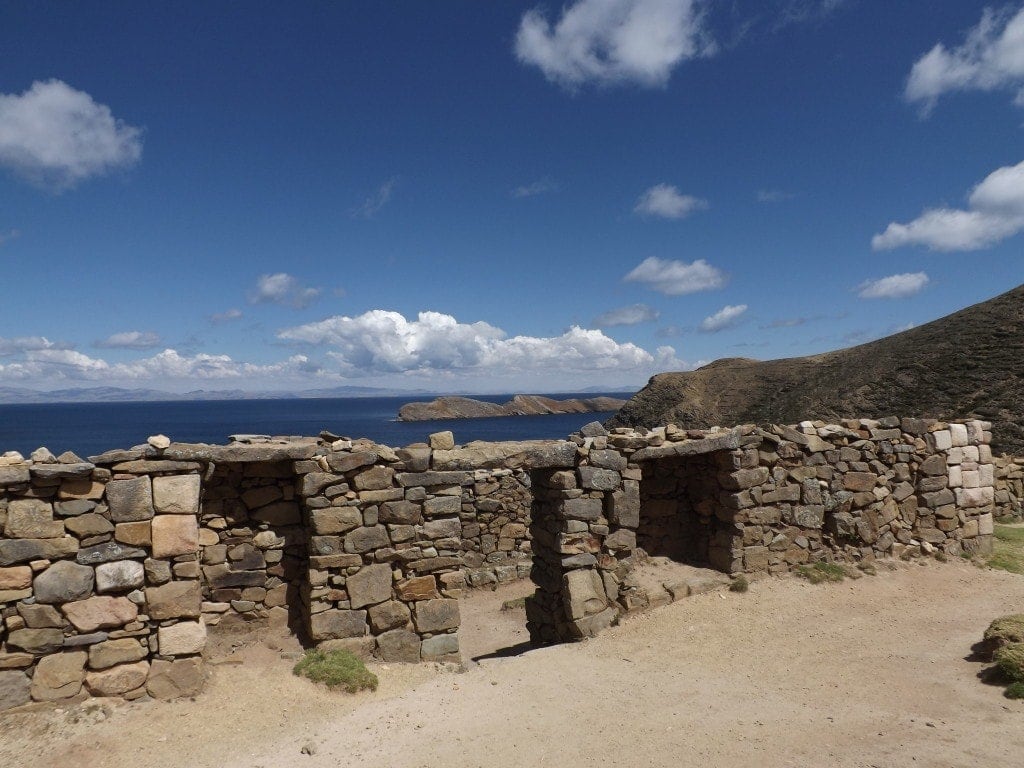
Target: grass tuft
point(821, 572)
point(336, 669)
point(1008, 549)
point(739, 584)
point(1005, 630)
point(515, 604)
point(1010, 661)
point(1014, 691)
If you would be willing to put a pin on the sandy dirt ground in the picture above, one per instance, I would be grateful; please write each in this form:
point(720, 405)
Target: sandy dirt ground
point(873, 672)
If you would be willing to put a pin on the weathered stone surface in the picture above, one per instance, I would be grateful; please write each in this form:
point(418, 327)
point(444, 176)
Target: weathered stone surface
point(113, 652)
point(38, 616)
point(372, 584)
point(174, 600)
point(436, 615)
point(374, 479)
point(59, 676)
point(89, 524)
point(174, 679)
point(63, 582)
point(389, 615)
point(624, 506)
point(107, 552)
point(745, 478)
point(279, 514)
point(346, 462)
point(418, 588)
point(182, 639)
point(599, 479)
point(138, 534)
point(366, 539)
point(37, 641)
point(620, 540)
point(858, 482)
point(221, 577)
point(607, 459)
point(14, 475)
point(14, 686)
point(335, 520)
point(176, 494)
point(333, 624)
point(100, 613)
point(119, 576)
point(440, 648)
point(583, 593)
point(157, 571)
point(32, 519)
point(130, 500)
point(74, 507)
point(175, 535)
point(399, 645)
point(25, 550)
point(118, 680)
point(442, 441)
point(403, 512)
point(17, 577)
point(441, 529)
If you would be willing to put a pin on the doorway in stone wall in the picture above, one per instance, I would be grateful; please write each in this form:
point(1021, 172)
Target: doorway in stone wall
point(255, 551)
point(681, 517)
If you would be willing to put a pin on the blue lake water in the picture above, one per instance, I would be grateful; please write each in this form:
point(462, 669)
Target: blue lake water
point(91, 428)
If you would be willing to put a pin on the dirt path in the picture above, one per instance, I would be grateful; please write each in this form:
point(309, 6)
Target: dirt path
point(865, 673)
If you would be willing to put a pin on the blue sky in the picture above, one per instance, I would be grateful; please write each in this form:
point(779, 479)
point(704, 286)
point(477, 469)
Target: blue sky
point(469, 196)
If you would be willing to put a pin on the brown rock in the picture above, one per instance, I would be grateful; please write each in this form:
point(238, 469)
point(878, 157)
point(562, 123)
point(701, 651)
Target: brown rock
point(174, 535)
point(418, 588)
point(176, 599)
point(399, 645)
point(437, 615)
point(117, 680)
point(130, 500)
point(18, 577)
point(59, 676)
point(113, 652)
point(389, 615)
point(32, 519)
point(37, 641)
point(91, 524)
point(370, 585)
point(176, 494)
point(14, 690)
point(100, 613)
point(332, 624)
point(174, 679)
point(136, 534)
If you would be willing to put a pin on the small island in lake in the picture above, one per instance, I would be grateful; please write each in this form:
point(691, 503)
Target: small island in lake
point(520, 405)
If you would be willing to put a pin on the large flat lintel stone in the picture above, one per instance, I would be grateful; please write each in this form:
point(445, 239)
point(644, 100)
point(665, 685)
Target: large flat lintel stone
point(727, 442)
point(241, 453)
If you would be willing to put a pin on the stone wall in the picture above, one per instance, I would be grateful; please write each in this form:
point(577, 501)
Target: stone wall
point(111, 570)
point(1009, 486)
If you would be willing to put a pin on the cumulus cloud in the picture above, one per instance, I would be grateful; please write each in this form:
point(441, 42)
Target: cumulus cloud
point(227, 316)
point(995, 211)
point(372, 204)
point(727, 317)
point(666, 201)
point(539, 187)
point(893, 286)
point(283, 289)
point(614, 41)
point(56, 136)
point(675, 278)
point(990, 58)
point(130, 340)
point(19, 344)
point(631, 315)
point(385, 342)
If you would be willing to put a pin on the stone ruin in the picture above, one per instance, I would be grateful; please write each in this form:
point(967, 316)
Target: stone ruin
point(114, 570)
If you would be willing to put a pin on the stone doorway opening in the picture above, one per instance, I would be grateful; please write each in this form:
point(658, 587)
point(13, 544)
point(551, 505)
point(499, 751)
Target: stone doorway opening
point(682, 518)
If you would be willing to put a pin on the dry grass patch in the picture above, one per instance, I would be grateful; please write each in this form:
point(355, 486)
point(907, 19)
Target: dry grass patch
point(1008, 549)
point(336, 669)
point(821, 572)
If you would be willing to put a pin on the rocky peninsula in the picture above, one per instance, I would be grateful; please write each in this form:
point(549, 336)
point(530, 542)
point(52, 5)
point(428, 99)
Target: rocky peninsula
point(520, 405)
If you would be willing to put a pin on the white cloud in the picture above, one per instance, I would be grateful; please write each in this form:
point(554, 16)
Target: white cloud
point(995, 211)
point(893, 286)
point(56, 136)
point(666, 201)
point(284, 289)
point(727, 317)
point(19, 344)
point(631, 315)
point(538, 187)
point(130, 340)
point(385, 342)
point(614, 41)
point(372, 205)
point(226, 317)
point(990, 58)
point(675, 278)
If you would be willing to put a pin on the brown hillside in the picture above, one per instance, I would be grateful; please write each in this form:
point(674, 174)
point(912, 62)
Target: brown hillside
point(968, 364)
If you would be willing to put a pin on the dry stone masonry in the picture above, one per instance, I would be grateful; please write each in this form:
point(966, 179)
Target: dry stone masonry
point(113, 570)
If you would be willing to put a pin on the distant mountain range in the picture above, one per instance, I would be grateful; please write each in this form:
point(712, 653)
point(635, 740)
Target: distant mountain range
point(21, 395)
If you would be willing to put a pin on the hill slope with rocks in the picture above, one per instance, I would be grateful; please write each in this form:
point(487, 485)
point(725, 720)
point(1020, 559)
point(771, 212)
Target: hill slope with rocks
point(455, 407)
point(968, 364)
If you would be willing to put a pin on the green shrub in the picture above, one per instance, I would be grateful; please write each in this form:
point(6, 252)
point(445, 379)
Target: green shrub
point(1003, 631)
point(821, 572)
point(1014, 691)
point(1010, 661)
point(739, 584)
point(336, 669)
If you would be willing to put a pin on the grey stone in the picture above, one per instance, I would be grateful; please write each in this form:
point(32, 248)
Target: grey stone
point(388, 615)
point(599, 479)
point(436, 615)
point(59, 676)
point(582, 509)
point(38, 616)
point(176, 494)
point(89, 524)
point(74, 507)
point(335, 624)
point(107, 552)
point(441, 529)
point(24, 550)
point(32, 519)
point(346, 462)
point(400, 512)
point(37, 641)
point(119, 576)
point(440, 648)
point(15, 686)
point(335, 520)
point(370, 585)
point(607, 459)
point(399, 645)
point(130, 500)
point(583, 593)
point(442, 505)
point(112, 652)
point(366, 539)
point(63, 582)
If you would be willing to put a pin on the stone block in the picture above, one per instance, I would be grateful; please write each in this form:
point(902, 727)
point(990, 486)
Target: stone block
point(100, 613)
point(582, 509)
point(389, 615)
point(15, 688)
point(107, 552)
point(442, 505)
point(346, 462)
point(374, 479)
point(38, 616)
point(182, 639)
point(32, 519)
point(399, 645)
point(89, 524)
point(136, 534)
point(583, 593)
point(443, 529)
point(859, 482)
point(17, 577)
point(130, 500)
point(14, 551)
point(592, 478)
point(174, 600)
point(986, 526)
point(366, 539)
point(624, 506)
point(260, 496)
point(943, 439)
point(120, 576)
point(745, 478)
point(436, 615)
point(37, 641)
point(418, 588)
point(176, 494)
point(63, 582)
point(335, 623)
point(118, 680)
point(440, 648)
point(755, 559)
point(958, 434)
point(59, 676)
point(607, 459)
point(370, 585)
point(175, 679)
point(333, 520)
point(402, 512)
point(175, 535)
point(621, 539)
point(113, 652)
point(442, 441)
